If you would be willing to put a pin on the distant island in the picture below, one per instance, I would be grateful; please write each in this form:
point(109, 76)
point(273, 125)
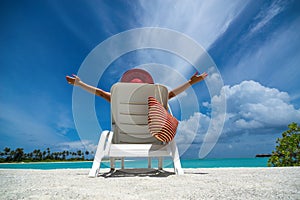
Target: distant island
point(18, 155)
point(262, 155)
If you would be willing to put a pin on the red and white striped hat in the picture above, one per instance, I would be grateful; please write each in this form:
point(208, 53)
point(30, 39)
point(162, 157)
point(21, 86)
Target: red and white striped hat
point(137, 76)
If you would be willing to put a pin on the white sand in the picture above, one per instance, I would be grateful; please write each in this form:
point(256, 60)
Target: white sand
point(217, 183)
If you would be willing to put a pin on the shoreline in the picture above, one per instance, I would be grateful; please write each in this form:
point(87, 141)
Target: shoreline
point(106, 170)
point(47, 162)
point(128, 160)
point(196, 183)
point(142, 163)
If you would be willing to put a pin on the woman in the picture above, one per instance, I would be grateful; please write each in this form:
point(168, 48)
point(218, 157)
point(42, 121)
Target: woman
point(134, 76)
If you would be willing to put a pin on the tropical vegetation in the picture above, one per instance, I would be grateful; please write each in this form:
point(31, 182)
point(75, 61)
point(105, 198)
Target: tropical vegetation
point(37, 155)
point(287, 152)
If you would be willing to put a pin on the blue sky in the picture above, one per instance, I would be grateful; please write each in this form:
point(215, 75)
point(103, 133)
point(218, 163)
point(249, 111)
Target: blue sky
point(254, 44)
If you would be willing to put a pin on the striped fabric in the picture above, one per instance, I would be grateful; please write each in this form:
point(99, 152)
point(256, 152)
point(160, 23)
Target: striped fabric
point(162, 125)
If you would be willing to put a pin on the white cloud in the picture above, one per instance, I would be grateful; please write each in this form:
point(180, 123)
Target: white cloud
point(165, 75)
point(214, 81)
point(190, 130)
point(206, 104)
point(251, 109)
point(187, 128)
point(264, 17)
point(251, 105)
point(63, 122)
point(274, 61)
point(205, 21)
point(75, 145)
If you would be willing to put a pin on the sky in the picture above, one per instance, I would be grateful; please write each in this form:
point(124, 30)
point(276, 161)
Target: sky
point(255, 46)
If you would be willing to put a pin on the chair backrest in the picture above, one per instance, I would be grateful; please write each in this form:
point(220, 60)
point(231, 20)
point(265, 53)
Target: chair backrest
point(129, 111)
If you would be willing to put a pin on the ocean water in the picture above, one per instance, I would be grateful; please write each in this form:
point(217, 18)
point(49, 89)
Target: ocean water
point(143, 163)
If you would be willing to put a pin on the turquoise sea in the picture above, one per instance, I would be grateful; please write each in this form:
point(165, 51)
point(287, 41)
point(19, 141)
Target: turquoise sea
point(195, 163)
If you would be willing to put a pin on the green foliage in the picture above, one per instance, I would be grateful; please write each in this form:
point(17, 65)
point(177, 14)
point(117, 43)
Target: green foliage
point(287, 152)
point(18, 155)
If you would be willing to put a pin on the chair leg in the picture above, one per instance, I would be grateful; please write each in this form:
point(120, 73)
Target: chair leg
point(122, 163)
point(176, 159)
point(112, 164)
point(99, 154)
point(149, 162)
point(160, 163)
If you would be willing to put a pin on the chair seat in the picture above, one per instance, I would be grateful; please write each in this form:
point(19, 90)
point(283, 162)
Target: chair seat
point(138, 150)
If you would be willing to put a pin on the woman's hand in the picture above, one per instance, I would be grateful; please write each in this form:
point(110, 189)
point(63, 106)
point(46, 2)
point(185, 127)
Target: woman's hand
point(197, 78)
point(75, 80)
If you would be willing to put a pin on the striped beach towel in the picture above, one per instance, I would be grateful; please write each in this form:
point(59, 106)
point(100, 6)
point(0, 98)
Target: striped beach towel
point(162, 125)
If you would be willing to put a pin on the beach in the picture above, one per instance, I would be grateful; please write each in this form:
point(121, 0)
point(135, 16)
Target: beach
point(201, 183)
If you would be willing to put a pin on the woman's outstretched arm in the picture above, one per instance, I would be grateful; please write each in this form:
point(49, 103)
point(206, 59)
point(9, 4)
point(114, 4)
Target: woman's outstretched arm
point(194, 79)
point(75, 80)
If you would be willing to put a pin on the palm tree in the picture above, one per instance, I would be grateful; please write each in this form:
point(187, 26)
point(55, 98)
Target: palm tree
point(64, 153)
point(67, 153)
point(44, 155)
point(11, 155)
point(34, 153)
point(6, 151)
point(56, 155)
point(37, 154)
point(60, 155)
point(40, 155)
point(19, 154)
point(48, 153)
point(87, 153)
point(6, 154)
point(79, 153)
point(30, 156)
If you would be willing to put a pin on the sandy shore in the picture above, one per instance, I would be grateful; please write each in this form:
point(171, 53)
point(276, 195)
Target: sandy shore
point(216, 183)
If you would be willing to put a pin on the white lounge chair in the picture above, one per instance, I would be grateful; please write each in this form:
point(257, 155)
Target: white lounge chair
point(130, 136)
